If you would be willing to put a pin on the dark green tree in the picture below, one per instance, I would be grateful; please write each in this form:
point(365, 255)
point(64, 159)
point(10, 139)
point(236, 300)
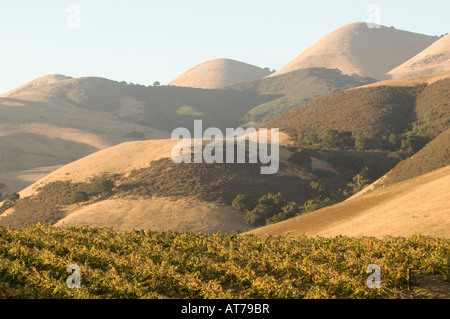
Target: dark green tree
point(101, 186)
point(300, 157)
point(267, 206)
point(78, 197)
point(336, 139)
point(242, 203)
point(288, 211)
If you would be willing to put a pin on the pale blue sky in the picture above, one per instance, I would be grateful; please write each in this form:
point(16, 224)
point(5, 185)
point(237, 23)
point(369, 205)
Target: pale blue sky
point(144, 41)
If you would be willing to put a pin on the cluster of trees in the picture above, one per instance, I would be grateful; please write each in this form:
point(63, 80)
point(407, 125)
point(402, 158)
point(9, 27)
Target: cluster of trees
point(401, 145)
point(100, 187)
point(273, 208)
point(331, 139)
point(404, 145)
point(301, 157)
point(268, 208)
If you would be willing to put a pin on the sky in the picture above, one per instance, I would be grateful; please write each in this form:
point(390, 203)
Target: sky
point(143, 41)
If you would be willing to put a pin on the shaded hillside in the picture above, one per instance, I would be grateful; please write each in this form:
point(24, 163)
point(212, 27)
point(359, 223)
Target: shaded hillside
point(373, 112)
point(208, 182)
point(95, 113)
point(296, 88)
point(369, 112)
point(214, 183)
point(89, 114)
point(161, 107)
point(161, 195)
point(415, 206)
point(356, 48)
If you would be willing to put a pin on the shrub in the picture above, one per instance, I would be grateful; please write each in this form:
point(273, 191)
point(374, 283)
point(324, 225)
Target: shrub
point(101, 186)
point(11, 198)
point(359, 182)
point(314, 204)
point(318, 187)
point(289, 211)
point(311, 139)
point(79, 197)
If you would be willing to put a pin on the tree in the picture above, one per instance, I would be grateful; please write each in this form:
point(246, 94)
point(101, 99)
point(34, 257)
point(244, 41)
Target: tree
point(359, 182)
point(314, 204)
point(288, 211)
point(101, 186)
point(242, 203)
point(318, 187)
point(268, 206)
point(336, 139)
point(156, 83)
point(311, 139)
point(78, 197)
point(11, 198)
point(362, 143)
point(300, 157)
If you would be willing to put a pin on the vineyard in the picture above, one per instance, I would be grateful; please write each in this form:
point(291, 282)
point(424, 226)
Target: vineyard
point(142, 264)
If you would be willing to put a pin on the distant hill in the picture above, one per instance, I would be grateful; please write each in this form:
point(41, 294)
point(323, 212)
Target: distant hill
point(55, 119)
point(434, 59)
point(373, 111)
point(152, 192)
point(415, 206)
point(89, 114)
point(219, 73)
point(357, 49)
point(296, 88)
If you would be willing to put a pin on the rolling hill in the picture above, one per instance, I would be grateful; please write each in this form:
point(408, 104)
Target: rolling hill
point(43, 118)
point(434, 59)
point(219, 73)
point(296, 88)
point(54, 120)
point(356, 48)
point(374, 111)
point(151, 191)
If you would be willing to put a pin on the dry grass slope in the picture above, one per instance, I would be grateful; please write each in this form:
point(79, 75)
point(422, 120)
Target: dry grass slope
point(356, 48)
point(434, 59)
point(219, 73)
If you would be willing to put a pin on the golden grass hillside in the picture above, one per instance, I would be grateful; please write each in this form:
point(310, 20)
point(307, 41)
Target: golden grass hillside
point(434, 59)
point(151, 191)
point(219, 73)
point(356, 48)
point(54, 120)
